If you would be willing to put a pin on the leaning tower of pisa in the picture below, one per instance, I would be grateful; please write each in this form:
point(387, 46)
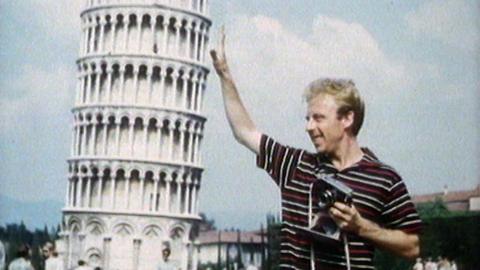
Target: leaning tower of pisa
point(135, 167)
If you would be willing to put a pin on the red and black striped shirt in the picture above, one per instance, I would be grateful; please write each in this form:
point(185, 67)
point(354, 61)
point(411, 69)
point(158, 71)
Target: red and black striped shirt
point(379, 194)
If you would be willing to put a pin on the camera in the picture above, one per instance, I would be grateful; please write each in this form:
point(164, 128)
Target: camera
point(324, 192)
point(329, 190)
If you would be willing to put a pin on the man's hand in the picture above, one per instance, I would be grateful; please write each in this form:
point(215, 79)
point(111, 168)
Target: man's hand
point(218, 55)
point(243, 128)
point(396, 241)
point(347, 217)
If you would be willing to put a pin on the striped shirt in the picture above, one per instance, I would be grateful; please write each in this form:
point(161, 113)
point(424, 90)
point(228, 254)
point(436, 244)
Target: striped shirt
point(379, 194)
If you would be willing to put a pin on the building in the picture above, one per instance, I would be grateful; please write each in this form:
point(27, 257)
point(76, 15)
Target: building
point(464, 200)
point(135, 167)
point(214, 245)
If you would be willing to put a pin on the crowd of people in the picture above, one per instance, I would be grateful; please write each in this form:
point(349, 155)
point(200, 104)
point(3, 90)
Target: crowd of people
point(51, 260)
point(442, 263)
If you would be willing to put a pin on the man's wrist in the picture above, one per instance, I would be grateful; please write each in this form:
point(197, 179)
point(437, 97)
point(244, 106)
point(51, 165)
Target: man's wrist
point(366, 228)
point(225, 75)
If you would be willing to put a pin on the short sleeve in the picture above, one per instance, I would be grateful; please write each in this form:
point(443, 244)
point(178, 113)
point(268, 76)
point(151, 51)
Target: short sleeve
point(399, 212)
point(277, 160)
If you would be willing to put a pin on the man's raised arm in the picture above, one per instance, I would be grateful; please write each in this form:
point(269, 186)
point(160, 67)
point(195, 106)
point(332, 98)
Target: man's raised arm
point(243, 128)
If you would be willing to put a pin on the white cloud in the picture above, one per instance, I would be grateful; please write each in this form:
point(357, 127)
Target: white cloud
point(455, 22)
point(267, 59)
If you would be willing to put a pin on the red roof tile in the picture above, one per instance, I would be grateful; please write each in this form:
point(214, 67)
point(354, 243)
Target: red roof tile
point(210, 237)
point(451, 196)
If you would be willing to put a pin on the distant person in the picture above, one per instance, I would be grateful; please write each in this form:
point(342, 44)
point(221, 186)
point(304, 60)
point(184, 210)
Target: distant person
point(443, 263)
point(2, 256)
point(251, 267)
point(430, 265)
point(53, 262)
point(418, 264)
point(453, 265)
point(22, 260)
point(166, 264)
point(47, 250)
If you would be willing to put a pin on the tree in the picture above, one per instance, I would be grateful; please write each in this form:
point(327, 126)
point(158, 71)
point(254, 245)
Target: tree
point(433, 209)
point(206, 224)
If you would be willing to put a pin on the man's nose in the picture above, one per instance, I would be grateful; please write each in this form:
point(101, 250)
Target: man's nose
point(309, 125)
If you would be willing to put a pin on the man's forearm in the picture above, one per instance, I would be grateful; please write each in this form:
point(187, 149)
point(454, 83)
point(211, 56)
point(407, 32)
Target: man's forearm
point(242, 125)
point(238, 117)
point(396, 241)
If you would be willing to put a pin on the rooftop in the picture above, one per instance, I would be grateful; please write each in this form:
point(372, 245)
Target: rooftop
point(448, 196)
point(210, 237)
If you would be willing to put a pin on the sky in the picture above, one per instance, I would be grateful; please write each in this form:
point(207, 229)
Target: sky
point(416, 63)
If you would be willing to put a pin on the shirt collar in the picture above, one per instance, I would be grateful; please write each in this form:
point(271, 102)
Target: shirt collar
point(368, 159)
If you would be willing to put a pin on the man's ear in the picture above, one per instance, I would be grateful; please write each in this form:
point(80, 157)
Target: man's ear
point(347, 120)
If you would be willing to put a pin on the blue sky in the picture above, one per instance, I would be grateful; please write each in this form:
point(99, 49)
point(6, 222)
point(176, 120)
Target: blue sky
point(415, 62)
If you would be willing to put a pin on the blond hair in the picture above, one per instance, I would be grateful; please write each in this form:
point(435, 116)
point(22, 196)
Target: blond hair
point(346, 96)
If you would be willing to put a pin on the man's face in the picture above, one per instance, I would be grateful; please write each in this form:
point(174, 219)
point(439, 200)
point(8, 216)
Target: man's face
point(45, 252)
point(166, 254)
point(325, 128)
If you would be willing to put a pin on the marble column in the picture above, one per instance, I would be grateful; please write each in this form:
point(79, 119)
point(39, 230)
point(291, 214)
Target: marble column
point(186, 210)
point(165, 36)
point(118, 123)
point(142, 192)
point(168, 182)
point(145, 139)
point(131, 129)
point(127, 175)
point(113, 178)
point(105, 137)
point(79, 191)
point(184, 91)
point(88, 191)
point(179, 194)
point(155, 193)
point(93, 136)
point(135, 82)
point(114, 34)
point(100, 176)
point(139, 35)
point(136, 252)
point(106, 252)
point(173, 94)
point(102, 34)
point(176, 45)
point(109, 84)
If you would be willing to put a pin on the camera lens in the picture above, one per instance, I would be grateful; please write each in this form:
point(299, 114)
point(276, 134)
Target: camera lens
point(326, 199)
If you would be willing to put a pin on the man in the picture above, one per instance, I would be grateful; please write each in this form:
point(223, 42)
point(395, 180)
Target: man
point(430, 265)
point(22, 260)
point(418, 264)
point(53, 262)
point(46, 252)
point(382, 214)
point(2, 256)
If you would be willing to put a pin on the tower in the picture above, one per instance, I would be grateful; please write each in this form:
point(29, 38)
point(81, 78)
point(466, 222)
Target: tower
point(135, 166)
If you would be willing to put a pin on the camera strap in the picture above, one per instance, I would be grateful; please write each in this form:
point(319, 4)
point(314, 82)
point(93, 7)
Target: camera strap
point(312, 250)
point(347, 251)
